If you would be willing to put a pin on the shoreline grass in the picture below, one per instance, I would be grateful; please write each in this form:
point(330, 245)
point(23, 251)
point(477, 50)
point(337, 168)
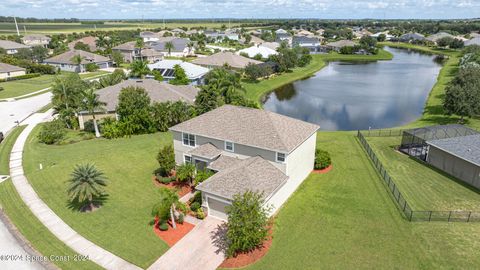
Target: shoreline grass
point(257, 91)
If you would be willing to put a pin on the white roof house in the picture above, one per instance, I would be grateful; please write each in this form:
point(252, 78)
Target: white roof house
point(254, 50)
point(166, 67)
point(474, 41)
point(281, 31)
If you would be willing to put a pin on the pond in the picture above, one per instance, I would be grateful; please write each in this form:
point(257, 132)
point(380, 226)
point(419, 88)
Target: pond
point(360, 95)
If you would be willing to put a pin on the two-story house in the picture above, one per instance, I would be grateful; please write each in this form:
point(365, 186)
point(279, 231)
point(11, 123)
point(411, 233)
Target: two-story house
point(249, 149)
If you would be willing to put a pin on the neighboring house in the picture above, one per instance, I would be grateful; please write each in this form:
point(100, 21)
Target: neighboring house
point(320, 32)
point(195, 73)
point(90, 41)
point(225, 58)
point(219, 36)
point(311, 43)
point(180, 47)
point(157, 91)
point(458, 156)
point(280, 31)
point(386, 33)
point(11, 47)
point(359, 33)
point(36, 40)
point(271, 45)
point(253, 40)
point(8, 71)
point(131, 53)
point(283, 37)
point(64, 61)
point(305, 33)
point(433, 38)
point(178, 31)
point(411, 37)
point(337, 45)
point(148, 36)
point(249, 149)
point(265, 52)
point(474, 41)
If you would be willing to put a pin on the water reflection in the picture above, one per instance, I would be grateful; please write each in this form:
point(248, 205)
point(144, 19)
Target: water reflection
point(350, 96)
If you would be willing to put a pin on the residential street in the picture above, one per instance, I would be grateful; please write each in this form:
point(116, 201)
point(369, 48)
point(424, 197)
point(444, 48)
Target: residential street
point(10, 246)
point(18, 110)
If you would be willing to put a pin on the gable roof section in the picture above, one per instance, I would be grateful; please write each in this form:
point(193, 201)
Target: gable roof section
point(193, 71)
point(157, 91)
point(252, 127)
point(66, 57)
point(208, 151)
point(254, 173)
point(465, 147)
point(31, 37)
point(222, 58)
point(127, 46)
point(179, 44)
point(341, 43)
point(89, 40)
point(10, 45)
point(9, 68)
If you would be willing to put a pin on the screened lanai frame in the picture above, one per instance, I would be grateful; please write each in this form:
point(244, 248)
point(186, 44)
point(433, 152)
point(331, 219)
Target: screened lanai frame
point(414, 141)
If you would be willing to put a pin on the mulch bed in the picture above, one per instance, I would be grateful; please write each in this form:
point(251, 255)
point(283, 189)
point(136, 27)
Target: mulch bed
point(182, 188)
point(326, 170)
point(172, 236)
point(244, 259)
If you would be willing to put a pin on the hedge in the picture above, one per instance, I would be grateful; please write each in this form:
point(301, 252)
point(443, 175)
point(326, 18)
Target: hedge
point(22, 77)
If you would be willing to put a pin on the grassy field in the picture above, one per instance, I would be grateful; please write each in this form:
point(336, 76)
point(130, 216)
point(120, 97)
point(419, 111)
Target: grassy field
point(57, 28)
point(256, 91)
point(28, 225)
point(122, 224)
point(346, 220)
point(27, 86)
point(424, 187)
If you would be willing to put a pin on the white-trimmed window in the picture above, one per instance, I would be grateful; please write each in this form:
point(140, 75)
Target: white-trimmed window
point(188, 139)
point(280, 157)
point(187, 159)
point(229, 146)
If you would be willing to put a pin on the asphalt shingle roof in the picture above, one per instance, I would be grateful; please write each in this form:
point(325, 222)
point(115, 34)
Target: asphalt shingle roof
point(208, 151)
point(157, 91)
point(9, 45)
point(254, 173)
point(9, 68)
point(466, 147)
point(66, 57)
point(222, 58)
point(223, 162)
point(252, 127)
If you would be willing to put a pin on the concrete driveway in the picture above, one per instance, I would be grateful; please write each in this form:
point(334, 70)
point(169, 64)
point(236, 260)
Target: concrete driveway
point(201, 249)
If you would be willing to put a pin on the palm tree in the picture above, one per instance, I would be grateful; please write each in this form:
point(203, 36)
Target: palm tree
point(77, 60)
point(86, 184)
point(190, 46)
point(138, 69)
point(169, 47)
point(165, 207)
point(92, 103)
point(140, 45)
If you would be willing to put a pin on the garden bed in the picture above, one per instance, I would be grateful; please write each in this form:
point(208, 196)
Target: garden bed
point(325, 170)
point(172, 236)
point(182, 188)
point(247, 258)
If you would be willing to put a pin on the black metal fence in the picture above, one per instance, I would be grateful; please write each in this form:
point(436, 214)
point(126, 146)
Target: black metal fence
point(399, 199)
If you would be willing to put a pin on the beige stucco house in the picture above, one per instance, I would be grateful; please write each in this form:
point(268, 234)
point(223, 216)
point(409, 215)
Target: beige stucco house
point(9, 71)
point(249, 149)
point(36, 40)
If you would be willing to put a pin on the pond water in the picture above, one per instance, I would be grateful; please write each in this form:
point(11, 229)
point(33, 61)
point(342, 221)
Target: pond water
point(360, 95)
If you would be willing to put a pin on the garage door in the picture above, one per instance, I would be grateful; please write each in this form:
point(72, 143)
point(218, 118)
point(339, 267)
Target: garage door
point(216, 208)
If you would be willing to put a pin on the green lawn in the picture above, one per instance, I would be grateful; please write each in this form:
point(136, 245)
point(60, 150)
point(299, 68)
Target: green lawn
point(256, 91)
point(27, 86)
point(345, 219)
point(28, 225)
point(122, 224)
point(424, 187)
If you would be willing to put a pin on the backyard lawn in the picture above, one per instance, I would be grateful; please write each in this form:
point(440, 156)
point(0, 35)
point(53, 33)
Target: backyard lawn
point(27, 86)
point(424, 187)
point(345, 219)
point(121, 225)
point(28, 225)
point(256, 91)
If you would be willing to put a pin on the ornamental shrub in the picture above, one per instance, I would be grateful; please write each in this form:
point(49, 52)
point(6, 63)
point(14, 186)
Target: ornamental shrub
point(166, 160)
point(52, 132)
point(197, 197)
point(180, 218)
point(182, 207)
point(163, 226)
point(194, 206)
point(322, 159)
point(200, 213)
point(91, 67)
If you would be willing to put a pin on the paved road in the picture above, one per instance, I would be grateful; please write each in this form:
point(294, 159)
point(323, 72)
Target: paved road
point(18, 110)
point(10, 246)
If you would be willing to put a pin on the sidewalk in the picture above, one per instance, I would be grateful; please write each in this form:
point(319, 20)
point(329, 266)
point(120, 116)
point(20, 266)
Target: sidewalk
point(48, 218)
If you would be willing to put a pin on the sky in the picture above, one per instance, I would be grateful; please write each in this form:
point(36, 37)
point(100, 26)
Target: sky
point(321, 9)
